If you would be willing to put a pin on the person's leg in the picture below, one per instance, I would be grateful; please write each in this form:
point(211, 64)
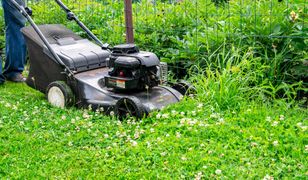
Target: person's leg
point(15, 43)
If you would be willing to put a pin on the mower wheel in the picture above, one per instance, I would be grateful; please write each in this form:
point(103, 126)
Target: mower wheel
point(185, 88)
point(129, 107)
point(59, 94)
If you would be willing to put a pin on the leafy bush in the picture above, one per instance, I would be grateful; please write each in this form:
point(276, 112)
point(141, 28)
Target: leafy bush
point(193, 32)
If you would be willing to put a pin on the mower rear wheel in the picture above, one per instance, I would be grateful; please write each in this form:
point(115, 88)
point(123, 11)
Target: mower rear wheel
point(185, 88)
point(129, 107)
point(59, 94)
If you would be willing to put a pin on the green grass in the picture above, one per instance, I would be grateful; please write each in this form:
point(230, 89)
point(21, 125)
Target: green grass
point(253, 141)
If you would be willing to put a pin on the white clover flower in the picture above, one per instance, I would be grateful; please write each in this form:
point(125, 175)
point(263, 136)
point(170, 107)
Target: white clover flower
point(136, 135)
point(90, 124)
point(152, 130)
point(182, 113)
point(218, 171)
point(306, 147)
point(204, 167)
point(86, 115)
point(254, 144)
point(158, 116)
point(275, 123)
point(214, 115)
point(201, 124)
point(106, 136)
point(14, 107)
point(73, 121)
point(63, 117)
point(178, 135)
point(111, 113)
point(198, 176)
point(163, 154)
point(304, 128)
point(193, 113)
point(148, 144)
point(268, 177)
point(202, 145)
point(281, 117)
point(174, 113)
point(70, 143)
point(167, 135)
point(191, 122)
point(268, 118)
point(183, 121)
point(275, 143)
point(165, 116)
point(134, 143)
point(119, 123)
point(200, 105)
point(90, 107)
point(142, 131)
point(22, 123)
point(183, 158)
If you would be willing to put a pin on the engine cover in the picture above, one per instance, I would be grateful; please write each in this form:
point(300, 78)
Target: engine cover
point(132, 69)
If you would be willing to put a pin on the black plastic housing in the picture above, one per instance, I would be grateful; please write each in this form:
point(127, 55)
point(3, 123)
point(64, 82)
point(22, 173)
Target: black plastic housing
point(132, 69)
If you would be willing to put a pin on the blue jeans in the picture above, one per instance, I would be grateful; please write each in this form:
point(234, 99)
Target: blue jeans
point(15, 50)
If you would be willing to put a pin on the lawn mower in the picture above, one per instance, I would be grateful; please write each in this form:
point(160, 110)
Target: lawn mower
point(71, 70)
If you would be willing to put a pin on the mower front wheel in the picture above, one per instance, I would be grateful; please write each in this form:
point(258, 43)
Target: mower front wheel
point(129, 107)
point(59, 94)
point(185, 88)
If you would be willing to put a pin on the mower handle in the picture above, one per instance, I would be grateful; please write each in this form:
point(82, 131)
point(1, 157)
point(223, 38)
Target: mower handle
point(71, 16)
point(63, 6)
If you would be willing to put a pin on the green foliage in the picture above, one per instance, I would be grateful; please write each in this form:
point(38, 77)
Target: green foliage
point(188, 32)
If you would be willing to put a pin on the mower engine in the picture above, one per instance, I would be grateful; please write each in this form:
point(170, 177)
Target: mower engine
point(132, 69)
